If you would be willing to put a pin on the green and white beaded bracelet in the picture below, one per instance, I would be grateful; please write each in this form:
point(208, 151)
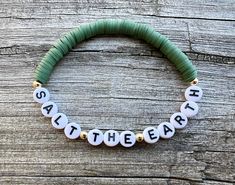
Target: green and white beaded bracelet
point(112, 138)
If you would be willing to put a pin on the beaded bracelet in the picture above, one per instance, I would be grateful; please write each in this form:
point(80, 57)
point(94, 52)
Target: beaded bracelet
point(111, 138)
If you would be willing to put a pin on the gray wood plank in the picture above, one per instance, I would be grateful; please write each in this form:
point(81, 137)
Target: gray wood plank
point(222, 10)
point(103, 180)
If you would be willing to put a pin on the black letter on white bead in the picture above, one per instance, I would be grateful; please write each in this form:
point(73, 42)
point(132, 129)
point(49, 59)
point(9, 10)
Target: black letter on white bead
point(41, 95)
point(111, 138)
point(95, 137)
point(56, 120)
point(166, 130)
point(151, 135)
point(189, 108)
point(49, 109)
point(179, 120)
point(193, 93)
point(127, 138)
point(72, 130)
point(59, 120)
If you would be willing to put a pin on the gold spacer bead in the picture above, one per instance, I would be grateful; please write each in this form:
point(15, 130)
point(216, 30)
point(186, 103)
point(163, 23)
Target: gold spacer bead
point(36, 84)
point(194, 82)
point(83, 135)
point(139, 137)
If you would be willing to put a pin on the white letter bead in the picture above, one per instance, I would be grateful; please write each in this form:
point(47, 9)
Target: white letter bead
point(72, 130)
point(127, 138)
point(49, 109)
point(193, 93)
point(41, 95)
point(189, 108)
point(95, 137)
point(179, 120)
point(166, 130)
point(59, 121)
point(111, 138)
point(151, 135)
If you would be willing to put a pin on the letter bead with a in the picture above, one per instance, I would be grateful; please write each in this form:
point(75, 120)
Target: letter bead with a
point(166, 130)
point(49, 109)
point(151, 135)
point(95, 137)
point(189, 108)
point(178, 120)
point(127, 139)
point(59, 121)
point(111, 138)
point(193, 93)
point(72, 130)
point(41, 95)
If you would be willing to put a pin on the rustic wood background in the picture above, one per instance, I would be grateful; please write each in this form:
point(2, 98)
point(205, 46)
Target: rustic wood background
point(119, 83)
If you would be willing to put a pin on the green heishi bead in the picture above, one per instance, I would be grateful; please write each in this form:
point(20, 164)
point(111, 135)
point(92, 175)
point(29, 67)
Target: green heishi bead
point(91, 28)
point(67, 42)
point(87, 31)
point(46, 66)
point(71, 39)
point(99, 27)
point(143, 32)
point(50, 59)
point(41, 75)
point(78, 34)
point(112, 27)
point(127, 27)
point(61, 47)
point(55, 54)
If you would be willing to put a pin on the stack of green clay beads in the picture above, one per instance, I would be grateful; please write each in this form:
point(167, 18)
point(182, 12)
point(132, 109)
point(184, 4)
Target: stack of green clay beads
point(111, 138)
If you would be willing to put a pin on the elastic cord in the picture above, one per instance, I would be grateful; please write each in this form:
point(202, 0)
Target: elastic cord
point(112, 27)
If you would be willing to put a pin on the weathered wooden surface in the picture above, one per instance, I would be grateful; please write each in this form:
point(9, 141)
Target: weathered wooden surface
point(119, 83)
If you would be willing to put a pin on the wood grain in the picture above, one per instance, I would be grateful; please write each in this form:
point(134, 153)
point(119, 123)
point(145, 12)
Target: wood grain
point(119, 83)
